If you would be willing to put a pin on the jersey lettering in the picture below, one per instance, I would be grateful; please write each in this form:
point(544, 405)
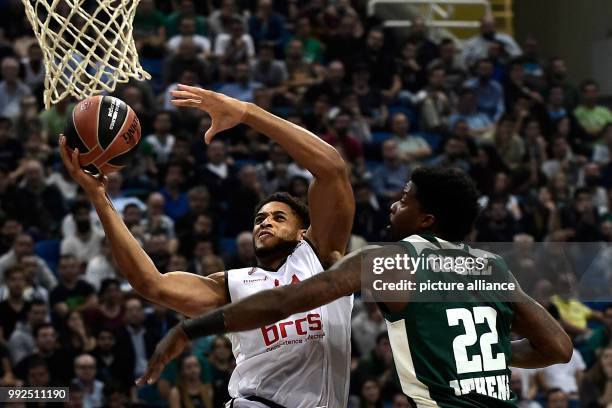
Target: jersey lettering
point(276, 332)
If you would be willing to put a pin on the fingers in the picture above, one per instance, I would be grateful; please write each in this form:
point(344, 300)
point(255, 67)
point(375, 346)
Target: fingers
point(198, 91)
point(210, 133)
point(187, 103)
point(184, 95)
point(65, 155)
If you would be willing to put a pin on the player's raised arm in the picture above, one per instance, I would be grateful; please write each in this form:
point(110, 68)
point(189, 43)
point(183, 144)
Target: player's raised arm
point(331, 200)
point(187, 293)
point(545, 342)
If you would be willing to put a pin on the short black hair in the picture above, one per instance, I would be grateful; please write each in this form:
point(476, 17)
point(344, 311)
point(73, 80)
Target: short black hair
point(451, 196)
point(79, 205)
point(297, 205)
point(588, 82)
point(106, 283)
point(5, 120)
point(40, 327)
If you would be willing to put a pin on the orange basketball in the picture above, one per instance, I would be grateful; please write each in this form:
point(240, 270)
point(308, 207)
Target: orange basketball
point(106, 131)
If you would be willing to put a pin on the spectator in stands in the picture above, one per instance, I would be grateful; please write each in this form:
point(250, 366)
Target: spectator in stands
point(12, 88)
point(380, 62)
point(100, 267)
point(517, 387)
point(155, 219)
point(186, 9)
point(379, 365)
point(455, 154)
point(342, 42)
point(566, 377)
point(86, 242)
point(389, 179)
point(241, 87)
point(400, 400)
point(222, 364)
point(411, 74)
point(574, 315)
point(33, 68)
point(135, 343)
point(334, 87)
point(109, 311)
point(220, 20)
point(11, 149)
point(187, 30)
point(110, 365)
point(267, 25)
point(38, 374)
point(39, 206)
point(496, 224)
point(24, 246)
point(532, 63)
point(161, 140)
point(411, 147)
point(245, 252)
point(218, 173)
point(454, 71)
point(189, 388)
point(13, 308)
point(516, 86)
point(186, 58)
point(149, 28)
point(85, 377)
point(581, 217)
point(602, 153)
point(301, 72)
point(489, 93)
point(176, 201)
point(234, 47)
point(509, 145)
point(435, 103)
point(339, 135)
point(71, 293)
point(22, 341)
point(370, 394)
point(313, 49)
point(266, 70)
point(479, 123)
point(591, 116)
point(46, 348)
point(477, 47)
point(591, 180)
point(596, 388)
point(557, 76)
point(366, 325)
point(75, 337)
point(427, 50)
point(557, 398)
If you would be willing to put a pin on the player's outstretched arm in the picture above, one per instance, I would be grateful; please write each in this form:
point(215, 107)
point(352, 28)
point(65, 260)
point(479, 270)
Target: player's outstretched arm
point(545, 342)
point(263, 308)
point(331, 200)
point(187, 293)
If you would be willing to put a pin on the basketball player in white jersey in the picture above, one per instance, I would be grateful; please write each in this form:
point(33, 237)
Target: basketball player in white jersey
point(303, 360)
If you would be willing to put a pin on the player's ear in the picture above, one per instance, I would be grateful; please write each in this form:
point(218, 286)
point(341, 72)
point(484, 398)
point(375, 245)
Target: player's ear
point(427, 221)
point(302, 233)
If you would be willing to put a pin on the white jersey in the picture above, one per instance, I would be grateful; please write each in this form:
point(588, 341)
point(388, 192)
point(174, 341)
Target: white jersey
point(302, 361)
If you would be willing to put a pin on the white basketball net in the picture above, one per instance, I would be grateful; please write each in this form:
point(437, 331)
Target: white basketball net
point(87, 50)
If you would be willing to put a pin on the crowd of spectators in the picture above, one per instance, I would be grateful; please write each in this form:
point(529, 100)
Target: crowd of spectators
point(537, 144)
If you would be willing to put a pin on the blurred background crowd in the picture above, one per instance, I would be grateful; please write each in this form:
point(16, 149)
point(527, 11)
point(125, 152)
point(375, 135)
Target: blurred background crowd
point(537, 144)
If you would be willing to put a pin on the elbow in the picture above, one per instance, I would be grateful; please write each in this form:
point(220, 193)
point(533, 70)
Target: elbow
point(563, 349)
point(333, 165)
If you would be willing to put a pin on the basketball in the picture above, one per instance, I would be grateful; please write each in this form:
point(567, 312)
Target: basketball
point(106, 131)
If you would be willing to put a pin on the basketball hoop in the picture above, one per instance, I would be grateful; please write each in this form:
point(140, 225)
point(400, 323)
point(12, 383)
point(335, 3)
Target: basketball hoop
point(86, 50)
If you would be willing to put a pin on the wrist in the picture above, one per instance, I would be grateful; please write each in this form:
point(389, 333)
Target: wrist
point(206, 325)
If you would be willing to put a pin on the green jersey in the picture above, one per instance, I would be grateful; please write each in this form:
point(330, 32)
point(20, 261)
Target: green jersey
point(453, 353)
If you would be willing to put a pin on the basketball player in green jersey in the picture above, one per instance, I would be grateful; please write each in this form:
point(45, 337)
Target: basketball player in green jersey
point(449, 354)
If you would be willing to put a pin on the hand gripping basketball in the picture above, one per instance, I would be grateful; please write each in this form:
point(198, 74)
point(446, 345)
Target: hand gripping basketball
point(90, 183)
point(225, 112)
